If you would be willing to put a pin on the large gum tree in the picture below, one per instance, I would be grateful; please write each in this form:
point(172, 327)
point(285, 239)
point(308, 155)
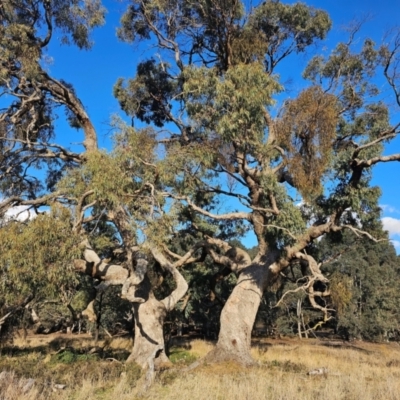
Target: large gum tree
point(239, 141)
point(91, 193)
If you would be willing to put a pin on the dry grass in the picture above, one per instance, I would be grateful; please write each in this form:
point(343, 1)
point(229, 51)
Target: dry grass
point(363, 371)
point(200, 347)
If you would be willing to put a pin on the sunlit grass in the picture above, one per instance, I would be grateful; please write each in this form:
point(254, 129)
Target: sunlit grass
point(362, 371)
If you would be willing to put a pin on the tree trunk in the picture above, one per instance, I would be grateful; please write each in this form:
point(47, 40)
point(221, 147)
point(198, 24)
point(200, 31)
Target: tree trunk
point(239, 314)
point(299, 319)
point(149, 337)
point(149, 348)
point(149, 313)
point(98, 319)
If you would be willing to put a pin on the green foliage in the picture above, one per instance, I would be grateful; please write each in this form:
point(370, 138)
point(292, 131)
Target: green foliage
point(240, 102)
point(115, 311)
point(298, 22)
point(181, 356)
point(74, 18)
point(70, 357)
point(15, 43)
point(101, 173)
point(364, 285)
point(232, 106)
point(148, 96)
point(126, 177)
point(209, 24)
point(36, 256)
point(26, 27)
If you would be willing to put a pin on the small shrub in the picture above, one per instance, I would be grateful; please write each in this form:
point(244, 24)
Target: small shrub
point(287, 366)
point(69, 357)
point(182, 356)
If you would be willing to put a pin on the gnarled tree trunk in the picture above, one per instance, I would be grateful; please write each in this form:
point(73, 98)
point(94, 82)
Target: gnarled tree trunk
point(149, 314)
point(149, 349)
point(149, 336)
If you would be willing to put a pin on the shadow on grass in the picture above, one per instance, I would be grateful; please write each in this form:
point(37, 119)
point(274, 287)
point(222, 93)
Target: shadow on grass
point(344, 345)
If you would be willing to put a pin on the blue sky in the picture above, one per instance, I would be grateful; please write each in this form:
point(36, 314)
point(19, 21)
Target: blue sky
point(93, 74)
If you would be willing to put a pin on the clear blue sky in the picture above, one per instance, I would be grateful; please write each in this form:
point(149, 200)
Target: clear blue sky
point(94, 73)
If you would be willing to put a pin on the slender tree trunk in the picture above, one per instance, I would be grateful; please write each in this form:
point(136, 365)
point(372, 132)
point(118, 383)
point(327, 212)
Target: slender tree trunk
point(299, 318)
point(98, 319)
point(238, 316)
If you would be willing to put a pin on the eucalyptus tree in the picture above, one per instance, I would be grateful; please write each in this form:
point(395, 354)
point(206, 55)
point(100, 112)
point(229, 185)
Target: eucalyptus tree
point(364, 285)
point(363, 291)
point(29, 99)
point(214, 90)
point(88, 190)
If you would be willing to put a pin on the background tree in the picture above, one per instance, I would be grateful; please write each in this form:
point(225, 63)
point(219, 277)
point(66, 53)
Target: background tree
point(36, 259)
point(368, 272)
point(26, 134)
point(361, 300)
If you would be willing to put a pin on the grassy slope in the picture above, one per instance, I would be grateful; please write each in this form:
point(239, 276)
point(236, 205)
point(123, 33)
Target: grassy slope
point(359, 371)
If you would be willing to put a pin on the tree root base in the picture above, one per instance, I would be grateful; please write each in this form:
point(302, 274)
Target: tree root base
point(218, 356)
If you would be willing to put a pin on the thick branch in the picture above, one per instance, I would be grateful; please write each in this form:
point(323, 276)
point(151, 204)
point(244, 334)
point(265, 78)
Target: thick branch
point(18, 201)
point(181, 285)
point(234, 258)
point(375, 160)
point(313, 265)
point(383, 136)
point(188, 257)
point(359, 233)
point(219, 217)
point(80, 210)
point(312, 233)
point(66, 96)
point(111, 274)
